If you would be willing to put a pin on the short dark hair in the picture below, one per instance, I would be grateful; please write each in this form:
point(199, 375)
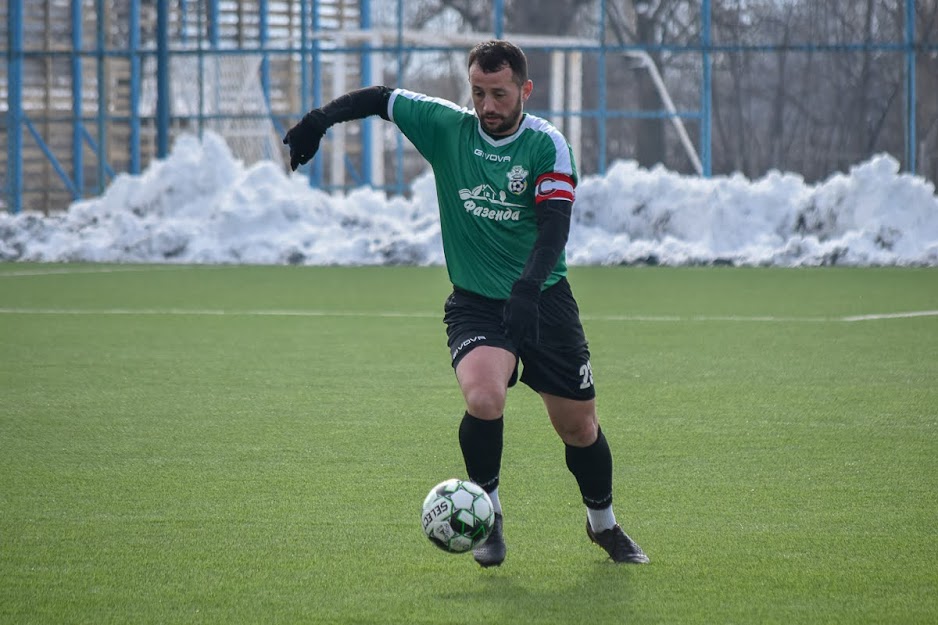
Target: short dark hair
point(494, 55)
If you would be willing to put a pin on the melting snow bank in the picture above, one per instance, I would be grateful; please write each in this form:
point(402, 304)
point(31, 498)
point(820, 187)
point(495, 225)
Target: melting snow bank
point(201, 205)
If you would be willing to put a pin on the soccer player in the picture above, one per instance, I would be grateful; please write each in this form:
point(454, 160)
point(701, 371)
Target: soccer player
point(505, 182)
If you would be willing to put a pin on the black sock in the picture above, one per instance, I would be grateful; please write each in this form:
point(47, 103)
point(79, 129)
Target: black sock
point(481, 444)
point(592, 468)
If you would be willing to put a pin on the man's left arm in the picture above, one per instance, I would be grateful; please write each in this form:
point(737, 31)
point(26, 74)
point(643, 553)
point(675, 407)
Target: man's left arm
point(553, 227)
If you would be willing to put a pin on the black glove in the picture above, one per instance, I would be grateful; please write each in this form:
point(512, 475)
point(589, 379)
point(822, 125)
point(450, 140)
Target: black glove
point(521, 312)
point(304, 138)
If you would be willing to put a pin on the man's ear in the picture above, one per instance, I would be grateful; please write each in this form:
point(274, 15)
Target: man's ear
point(526, 90)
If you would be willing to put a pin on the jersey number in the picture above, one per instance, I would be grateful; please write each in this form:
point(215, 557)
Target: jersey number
point(586, 371)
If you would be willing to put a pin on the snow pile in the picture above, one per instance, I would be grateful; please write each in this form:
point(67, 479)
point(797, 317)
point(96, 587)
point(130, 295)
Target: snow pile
point(201, 205)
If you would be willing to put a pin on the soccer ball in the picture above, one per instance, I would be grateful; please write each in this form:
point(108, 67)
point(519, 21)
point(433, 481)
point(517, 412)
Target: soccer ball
point(457, 515)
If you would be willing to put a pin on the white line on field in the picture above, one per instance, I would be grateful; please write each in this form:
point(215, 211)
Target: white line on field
point(73, 270)
point(665, 318)
point(212, 312)
point(425, 315)
point(902, 315)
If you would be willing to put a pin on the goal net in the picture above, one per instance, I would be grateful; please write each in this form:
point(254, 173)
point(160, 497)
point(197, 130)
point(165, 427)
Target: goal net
point(221, 93)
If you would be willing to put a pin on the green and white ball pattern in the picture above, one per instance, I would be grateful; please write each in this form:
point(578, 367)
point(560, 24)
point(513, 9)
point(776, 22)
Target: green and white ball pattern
point(457, 515)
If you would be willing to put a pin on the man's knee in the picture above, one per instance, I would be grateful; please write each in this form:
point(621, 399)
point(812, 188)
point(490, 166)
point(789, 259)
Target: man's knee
point(575, 421)
point(581, 432)
point(485, 401)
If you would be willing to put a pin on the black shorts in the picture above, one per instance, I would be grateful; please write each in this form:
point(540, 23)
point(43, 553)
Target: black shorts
point(559, 364)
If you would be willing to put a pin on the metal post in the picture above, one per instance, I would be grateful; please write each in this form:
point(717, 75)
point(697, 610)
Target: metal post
point(498, 18)
point(304, 57)
point(910, 107)
point(706, 91)
point(399, 147)
point(262, 36)
point(183, 21)
point(214, 11)
point(601, 69)
point(102, 95)
point(574, 125)
point(15, 108)
point(162, 78)
point(316, 171)
point(77, 127)
point(213, 25)
point(558, 79)
point(200, 72)
point(338, 133)
point(135, 86)
point(364, 8)
point(262, 39)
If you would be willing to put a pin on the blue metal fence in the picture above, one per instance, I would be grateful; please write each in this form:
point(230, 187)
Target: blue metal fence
point(91, 134)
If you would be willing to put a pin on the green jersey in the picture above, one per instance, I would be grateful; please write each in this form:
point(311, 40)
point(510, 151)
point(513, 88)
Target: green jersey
point(487, 188)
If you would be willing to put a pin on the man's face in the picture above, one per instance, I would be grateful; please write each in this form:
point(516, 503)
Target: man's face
point(498, 99)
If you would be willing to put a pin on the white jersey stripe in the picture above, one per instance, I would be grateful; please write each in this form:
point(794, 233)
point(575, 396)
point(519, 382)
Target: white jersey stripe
point(420, 97)
point(564, 164)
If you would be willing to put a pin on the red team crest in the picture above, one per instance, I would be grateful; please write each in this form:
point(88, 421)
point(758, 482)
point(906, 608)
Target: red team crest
point(554, 186)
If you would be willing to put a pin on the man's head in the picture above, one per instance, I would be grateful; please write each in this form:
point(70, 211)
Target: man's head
point(498, 75)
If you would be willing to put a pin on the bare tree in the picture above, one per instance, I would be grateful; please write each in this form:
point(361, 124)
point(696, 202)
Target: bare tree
point(806, 89)
point(651, 23)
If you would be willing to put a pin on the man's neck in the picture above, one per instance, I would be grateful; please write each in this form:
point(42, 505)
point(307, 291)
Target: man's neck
point(504, 134)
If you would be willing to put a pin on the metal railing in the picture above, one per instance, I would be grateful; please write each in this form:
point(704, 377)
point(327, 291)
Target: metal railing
point(104, 138)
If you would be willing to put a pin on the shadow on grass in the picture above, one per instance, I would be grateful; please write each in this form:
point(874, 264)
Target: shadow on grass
point(592, 592)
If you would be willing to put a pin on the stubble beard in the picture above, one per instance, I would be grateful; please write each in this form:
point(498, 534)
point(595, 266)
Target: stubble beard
point(507, 124)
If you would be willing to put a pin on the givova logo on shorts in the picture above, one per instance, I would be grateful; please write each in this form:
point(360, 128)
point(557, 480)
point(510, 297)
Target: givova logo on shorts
point(467, 343)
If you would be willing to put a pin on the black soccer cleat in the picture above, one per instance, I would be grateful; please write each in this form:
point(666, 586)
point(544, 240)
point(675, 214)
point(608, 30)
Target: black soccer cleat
point(618, 545)
point(492, 551)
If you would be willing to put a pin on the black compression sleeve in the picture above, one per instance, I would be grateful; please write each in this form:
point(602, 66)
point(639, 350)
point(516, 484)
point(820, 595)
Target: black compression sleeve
point(357, 104)
point(553, 227)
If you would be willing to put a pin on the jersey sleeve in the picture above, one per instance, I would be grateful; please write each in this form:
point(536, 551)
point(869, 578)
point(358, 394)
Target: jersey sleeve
point(421, 117)
point(555, 173)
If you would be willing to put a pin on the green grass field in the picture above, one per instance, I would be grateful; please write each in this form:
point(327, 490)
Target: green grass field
point(252, 445)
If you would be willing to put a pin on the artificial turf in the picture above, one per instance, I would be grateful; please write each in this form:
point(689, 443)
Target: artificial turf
point(236, 444)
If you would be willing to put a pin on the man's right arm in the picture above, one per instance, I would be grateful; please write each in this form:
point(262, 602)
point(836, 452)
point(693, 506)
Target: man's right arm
point(304, 138)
